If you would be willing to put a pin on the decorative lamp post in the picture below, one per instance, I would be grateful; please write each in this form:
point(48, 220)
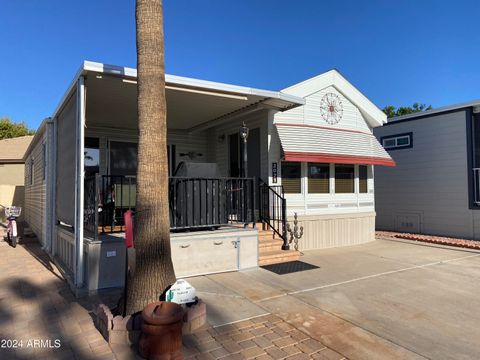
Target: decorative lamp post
point(244, 135)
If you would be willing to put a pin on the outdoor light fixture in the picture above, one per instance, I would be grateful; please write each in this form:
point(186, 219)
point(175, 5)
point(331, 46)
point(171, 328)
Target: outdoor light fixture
point(244, 132)
point(244, 135)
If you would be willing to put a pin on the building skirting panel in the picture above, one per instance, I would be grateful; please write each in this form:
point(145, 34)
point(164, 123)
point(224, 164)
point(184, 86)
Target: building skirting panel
point(327, 231)
point(206, 252)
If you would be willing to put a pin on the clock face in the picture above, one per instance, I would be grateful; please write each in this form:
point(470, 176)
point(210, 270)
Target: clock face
point(331, 108)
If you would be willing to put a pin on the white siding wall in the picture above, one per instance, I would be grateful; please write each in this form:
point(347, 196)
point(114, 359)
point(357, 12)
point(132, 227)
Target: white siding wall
point(219, 150)
point(428, 189)
point(183, 142)
point(332, 203)
point(309, 113)
point(35, 193)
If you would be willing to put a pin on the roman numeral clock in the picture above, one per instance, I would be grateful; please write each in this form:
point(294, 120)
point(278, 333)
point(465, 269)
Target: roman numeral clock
point(331, 108)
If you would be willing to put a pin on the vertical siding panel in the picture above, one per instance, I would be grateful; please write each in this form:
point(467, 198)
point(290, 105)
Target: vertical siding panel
point(35, 194)
point(428, 188)
point(321, 232)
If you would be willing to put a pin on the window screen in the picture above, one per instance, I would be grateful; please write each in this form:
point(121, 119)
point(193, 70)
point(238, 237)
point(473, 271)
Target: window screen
point(123, 158)
point(292, 177)
point(91, 156)
point(344, 179)
point(363, 179)
point(318, 178)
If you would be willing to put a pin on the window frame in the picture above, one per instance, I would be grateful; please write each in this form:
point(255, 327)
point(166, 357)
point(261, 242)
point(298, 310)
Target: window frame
point(396, 137)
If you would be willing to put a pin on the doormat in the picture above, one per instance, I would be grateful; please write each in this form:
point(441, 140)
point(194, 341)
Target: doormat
point(289, 267)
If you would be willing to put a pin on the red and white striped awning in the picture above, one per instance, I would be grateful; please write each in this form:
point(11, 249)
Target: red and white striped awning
point(310, 143)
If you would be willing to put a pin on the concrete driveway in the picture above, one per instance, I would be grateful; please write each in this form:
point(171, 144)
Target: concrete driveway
point(386, 299)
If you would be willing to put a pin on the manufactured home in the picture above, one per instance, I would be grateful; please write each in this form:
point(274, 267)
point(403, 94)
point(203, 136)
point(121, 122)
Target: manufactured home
point(434, 189)
point(309, 150)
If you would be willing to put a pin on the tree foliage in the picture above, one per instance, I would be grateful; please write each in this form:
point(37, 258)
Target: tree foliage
point(392, 111)
point(10, 129)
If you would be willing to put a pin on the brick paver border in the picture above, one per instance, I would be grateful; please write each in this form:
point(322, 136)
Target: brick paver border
point(438, 240)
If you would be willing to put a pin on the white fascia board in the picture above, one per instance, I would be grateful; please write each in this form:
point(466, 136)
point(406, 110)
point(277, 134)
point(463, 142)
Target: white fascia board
point(72, 87)
point(109, 69)
point(372, 113)
point(91, 66)
point(196, 83)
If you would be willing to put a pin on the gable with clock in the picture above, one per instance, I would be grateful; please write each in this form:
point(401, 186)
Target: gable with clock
point(331, 108)
point(333, 126)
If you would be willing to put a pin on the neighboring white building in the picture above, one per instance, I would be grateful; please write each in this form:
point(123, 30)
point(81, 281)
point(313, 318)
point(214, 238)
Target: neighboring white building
point(310, 151)
point(434, 189)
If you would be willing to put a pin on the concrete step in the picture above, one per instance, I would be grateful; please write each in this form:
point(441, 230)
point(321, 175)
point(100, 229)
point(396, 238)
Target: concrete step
point(278, 256)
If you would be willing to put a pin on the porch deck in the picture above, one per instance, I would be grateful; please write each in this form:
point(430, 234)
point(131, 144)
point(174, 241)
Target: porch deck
point(195, 203)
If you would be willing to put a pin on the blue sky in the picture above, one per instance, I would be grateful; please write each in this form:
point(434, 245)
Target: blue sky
point(395, 52)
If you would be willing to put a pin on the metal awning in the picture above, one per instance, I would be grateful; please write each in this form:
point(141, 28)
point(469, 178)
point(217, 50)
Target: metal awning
point(192, 104)
point(310, 143)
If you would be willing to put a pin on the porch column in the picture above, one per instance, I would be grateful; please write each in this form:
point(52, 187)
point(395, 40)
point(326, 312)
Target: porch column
point(273, 149)
point(50, 212)
point(79, 181)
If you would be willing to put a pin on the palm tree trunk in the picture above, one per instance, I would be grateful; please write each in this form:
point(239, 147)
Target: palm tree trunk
point(154, 269)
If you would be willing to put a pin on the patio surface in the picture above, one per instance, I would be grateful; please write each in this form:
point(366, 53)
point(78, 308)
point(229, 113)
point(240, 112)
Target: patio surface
point(37, 305)
point(382, 300)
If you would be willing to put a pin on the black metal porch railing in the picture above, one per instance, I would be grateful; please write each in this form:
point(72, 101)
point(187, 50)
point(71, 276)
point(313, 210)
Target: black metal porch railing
point(90, 206)
point(273, 210)
point(210, 202)
point(194, 203)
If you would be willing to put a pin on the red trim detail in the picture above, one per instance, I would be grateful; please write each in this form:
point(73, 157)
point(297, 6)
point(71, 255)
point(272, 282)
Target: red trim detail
point(326, 128)
point(339, 159)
